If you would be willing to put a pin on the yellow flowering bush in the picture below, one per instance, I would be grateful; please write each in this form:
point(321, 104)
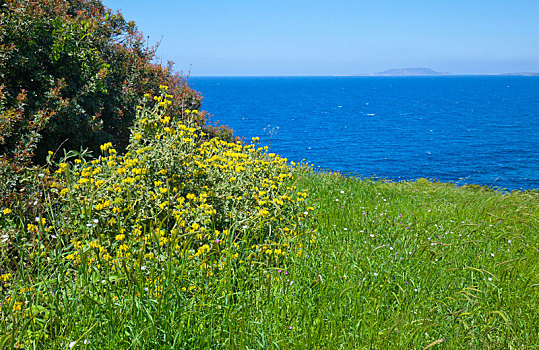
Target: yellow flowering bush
point(179, 216)
point(179, 195)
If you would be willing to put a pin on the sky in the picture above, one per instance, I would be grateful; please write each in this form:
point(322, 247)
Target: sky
point(339, 37)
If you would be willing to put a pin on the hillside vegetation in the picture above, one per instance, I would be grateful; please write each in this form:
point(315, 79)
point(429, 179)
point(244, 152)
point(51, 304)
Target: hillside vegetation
point(165, 233)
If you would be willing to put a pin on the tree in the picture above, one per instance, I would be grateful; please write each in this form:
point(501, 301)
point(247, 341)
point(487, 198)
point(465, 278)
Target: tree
point(71, 74)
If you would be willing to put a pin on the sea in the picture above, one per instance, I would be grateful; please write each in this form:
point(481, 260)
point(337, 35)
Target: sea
point(461, 129)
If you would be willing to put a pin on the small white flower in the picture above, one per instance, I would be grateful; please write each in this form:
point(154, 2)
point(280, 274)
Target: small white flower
point(4, 238)
point(509, 241)
point(305, 213)
point(490, 278)
point(390, 248)
point(345, 229)
point(36, 219)
point(72, 344)
point(86, 342)
point(146, 289)
point(371, 235)
point(342, 191)
point(143, 267)
point(492, 254)
point(375, 274)
point(95, 221)
point(415, 289)
point(89, 225)
point(41, 175)
point(336, 199)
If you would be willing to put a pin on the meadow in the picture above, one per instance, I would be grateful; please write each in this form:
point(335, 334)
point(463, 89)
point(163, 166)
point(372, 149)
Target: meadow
point(189, 241)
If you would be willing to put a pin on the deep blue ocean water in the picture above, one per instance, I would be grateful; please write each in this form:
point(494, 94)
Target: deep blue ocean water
point(462, 129)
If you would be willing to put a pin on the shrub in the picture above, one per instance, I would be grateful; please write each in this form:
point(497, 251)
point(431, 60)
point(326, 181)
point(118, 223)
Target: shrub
point(177, 187)
point(71, 74)
point(179, 214)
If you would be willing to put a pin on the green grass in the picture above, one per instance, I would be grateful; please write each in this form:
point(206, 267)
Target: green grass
point(393, 265)
point(403, 265)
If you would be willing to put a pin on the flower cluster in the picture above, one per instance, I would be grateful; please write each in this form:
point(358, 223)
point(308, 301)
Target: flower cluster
point(180, 195)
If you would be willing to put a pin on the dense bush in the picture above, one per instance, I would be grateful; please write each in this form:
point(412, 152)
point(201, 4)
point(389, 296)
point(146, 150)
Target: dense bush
point(178, 214)
point(71, 74)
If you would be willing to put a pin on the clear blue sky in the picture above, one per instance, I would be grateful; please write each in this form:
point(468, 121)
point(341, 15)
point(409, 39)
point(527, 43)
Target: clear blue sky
point(327, 37)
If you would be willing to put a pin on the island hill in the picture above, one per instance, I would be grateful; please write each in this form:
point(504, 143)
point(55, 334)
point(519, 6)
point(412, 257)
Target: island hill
point(406, 72)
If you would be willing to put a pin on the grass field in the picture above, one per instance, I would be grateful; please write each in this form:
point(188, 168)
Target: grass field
point(408, 265)
point(394, 265)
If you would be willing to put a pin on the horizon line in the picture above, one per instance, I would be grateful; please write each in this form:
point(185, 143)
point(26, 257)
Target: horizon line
point(524, 74)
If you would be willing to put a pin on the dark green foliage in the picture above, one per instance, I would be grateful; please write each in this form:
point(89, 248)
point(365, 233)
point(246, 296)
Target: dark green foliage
point(71, 74)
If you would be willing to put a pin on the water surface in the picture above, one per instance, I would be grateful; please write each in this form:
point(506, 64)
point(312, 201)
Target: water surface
point(482, 130)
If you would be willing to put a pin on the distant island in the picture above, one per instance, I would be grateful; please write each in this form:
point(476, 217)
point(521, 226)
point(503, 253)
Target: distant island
point(402, 72)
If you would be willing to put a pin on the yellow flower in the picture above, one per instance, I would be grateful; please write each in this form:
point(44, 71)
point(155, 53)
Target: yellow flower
point(7, 211)
point(120, 237)
point(163, 189)
point(17, 306)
